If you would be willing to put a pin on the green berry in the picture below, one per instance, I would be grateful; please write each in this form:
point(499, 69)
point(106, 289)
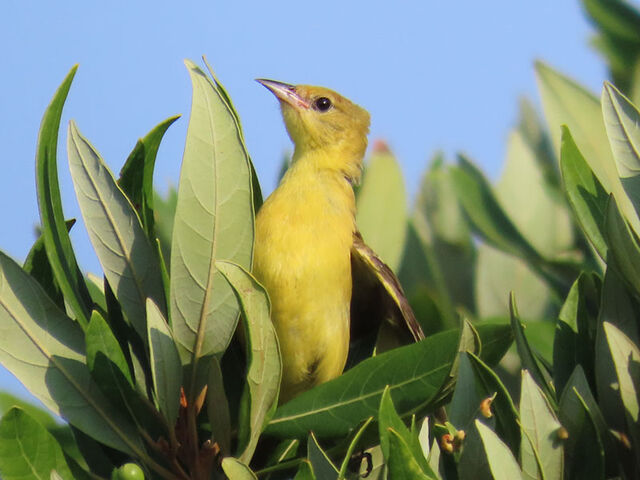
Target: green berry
point(128, 471)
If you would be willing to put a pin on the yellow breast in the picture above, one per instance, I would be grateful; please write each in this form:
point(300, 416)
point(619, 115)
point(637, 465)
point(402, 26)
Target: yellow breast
point(304, 233)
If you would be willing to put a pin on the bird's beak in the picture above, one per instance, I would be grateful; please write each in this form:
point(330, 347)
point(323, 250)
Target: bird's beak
point(284, 92)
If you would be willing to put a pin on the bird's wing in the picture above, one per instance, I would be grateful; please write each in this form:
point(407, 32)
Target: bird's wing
point(378, 300)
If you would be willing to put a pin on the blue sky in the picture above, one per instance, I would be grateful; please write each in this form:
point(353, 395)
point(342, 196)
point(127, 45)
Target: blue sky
point(433, 74)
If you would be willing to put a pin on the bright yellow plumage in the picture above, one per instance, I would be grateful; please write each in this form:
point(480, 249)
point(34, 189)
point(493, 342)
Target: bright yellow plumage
point(305, 231)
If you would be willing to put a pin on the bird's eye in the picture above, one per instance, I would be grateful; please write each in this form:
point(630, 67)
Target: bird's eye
point(322, 104)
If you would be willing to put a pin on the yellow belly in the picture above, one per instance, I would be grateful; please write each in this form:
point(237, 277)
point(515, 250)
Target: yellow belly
point(302, 257)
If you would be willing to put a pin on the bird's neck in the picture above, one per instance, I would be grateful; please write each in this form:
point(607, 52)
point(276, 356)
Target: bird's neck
point(344, 159)
point(314, 176)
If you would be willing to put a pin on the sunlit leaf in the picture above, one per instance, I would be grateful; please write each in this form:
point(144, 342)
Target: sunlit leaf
point(536, 207)
point(28, 450)
point(236, 470)
point(401, 463)
point(390, 424)
point(127, 258)
point(335, 407)
point(626, 357)
point(54, 231)
point(136, 176)
point(567, 103)
point(624, 245)
point(586, 195)
point(501, 462)
point(498, 273)
point(541, 426)
point(264, 363)
point(45, 350)
point(213, 221)
point(621, 119)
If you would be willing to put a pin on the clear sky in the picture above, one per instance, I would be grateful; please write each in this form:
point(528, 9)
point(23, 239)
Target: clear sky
point(433, 74)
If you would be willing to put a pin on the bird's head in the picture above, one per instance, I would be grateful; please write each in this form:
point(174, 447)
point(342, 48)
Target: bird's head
point(320, 119)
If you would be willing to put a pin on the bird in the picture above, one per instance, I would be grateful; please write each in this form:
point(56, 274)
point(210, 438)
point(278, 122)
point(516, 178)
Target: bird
point(307, 246)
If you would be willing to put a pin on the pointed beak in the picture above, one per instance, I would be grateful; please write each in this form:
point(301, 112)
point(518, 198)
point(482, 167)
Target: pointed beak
point(284, 92)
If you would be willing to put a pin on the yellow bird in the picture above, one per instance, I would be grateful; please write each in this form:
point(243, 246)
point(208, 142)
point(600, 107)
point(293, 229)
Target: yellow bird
point(307, 245)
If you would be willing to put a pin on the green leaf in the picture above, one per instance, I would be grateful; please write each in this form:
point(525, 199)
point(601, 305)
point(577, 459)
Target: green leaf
point(438, 213)
point(37, 265)
point(439, 251)
point(608, 388)
point(95, 285)
point(467, 396)
point(541, 426)
point(619, 305)
point(616, 18)
point(54, 230)
point(527, 357)
point(535, 135)
point(236, 470)
point(574, 341)
point(496, 338)
point(490, 220)
point(45, 350)
point(100, 340)
point(255, 184)
point(498, 273)
point(501, 462)
point(322, 465)
point(218, 408)
point(507, 424)
point(536, 207)
point(342, 474)
point(390, 424)
point(586, 195)
point(584, 451)
point(265, 365)
point(471, 461)
point(109, 367)
point(127, 258)
point(165, 210)
point(61, 432)
point(136, 176)
point(335, 407)
point(305, 472)
point(624, 246)
point(28, 450)
point(213, 221)
point(166, 368)
point(43, 417)
point(626, 356)
point(401, 463)
point(425, 285)
point(485, 212)
point(463, 410)
point(621, 118)
point(567, 103)
point(382, 207)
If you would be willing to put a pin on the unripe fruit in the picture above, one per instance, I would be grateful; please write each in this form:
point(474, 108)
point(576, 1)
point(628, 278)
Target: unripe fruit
point(128, 471)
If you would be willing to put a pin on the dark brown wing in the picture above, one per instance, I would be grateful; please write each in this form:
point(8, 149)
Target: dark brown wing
point(378, 301)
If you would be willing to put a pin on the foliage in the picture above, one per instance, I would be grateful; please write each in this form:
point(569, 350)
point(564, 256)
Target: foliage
point(145, 366)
